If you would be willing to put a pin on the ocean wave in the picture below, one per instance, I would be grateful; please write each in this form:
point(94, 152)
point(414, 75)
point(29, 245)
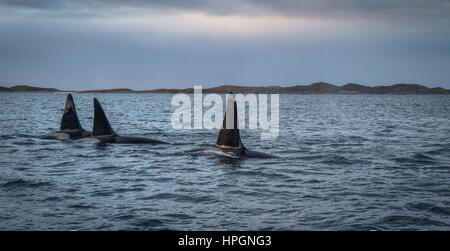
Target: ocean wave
point(23, 183)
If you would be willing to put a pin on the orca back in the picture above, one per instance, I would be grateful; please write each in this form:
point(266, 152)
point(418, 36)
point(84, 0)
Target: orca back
point(101, 124)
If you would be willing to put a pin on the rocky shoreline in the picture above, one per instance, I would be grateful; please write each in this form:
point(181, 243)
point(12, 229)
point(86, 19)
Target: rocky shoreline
point(315, 88)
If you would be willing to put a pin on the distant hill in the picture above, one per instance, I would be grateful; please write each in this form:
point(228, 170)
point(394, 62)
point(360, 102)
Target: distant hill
point(314, 88)
point(26, 88)
point(121, 90)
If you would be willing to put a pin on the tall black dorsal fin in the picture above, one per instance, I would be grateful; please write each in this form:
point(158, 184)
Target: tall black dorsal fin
point(101, 123)
point(69, 119)
point(229, 134)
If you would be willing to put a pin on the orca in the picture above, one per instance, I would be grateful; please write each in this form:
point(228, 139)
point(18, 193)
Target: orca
point(103, 133)
point(229, 140)
point(70, 124)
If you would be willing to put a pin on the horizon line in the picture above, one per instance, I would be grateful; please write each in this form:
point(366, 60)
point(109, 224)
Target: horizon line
point(221, 85)
point(313, 88)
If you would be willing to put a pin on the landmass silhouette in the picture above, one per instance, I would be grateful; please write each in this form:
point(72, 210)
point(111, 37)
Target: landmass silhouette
point(314, 88)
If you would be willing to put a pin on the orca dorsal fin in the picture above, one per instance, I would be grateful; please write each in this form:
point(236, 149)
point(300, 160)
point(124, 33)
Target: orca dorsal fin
point(101, 123)
point(229, 134)
point(69, 120)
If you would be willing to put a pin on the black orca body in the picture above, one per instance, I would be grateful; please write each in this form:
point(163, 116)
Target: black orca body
point(70, 124)
point(103, 133)
point(229, 140)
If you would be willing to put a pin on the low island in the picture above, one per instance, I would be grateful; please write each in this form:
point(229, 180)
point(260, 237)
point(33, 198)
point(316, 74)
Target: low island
point(314, 88)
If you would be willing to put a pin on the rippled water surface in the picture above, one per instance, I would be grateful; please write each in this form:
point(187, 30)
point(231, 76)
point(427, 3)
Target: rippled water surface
point(348, 162)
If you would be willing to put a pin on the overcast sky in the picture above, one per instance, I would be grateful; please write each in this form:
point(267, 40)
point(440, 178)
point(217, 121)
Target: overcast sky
point(137, 44)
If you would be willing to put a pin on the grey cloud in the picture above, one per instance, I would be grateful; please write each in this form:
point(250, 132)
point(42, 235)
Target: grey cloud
point(74, 56)
point(394, 9)
point(81, 54)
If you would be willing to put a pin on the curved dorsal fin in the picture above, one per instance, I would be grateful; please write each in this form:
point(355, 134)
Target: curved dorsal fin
point(101, 123)
point(229, 134)
point(69, 120)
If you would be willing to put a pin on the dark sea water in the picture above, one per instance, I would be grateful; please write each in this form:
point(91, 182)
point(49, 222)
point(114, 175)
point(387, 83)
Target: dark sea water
point(348, 162)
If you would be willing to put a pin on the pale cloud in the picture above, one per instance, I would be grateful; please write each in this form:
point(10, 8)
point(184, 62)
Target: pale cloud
point(200, 24)
point(80, 44)
point(422, 10)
